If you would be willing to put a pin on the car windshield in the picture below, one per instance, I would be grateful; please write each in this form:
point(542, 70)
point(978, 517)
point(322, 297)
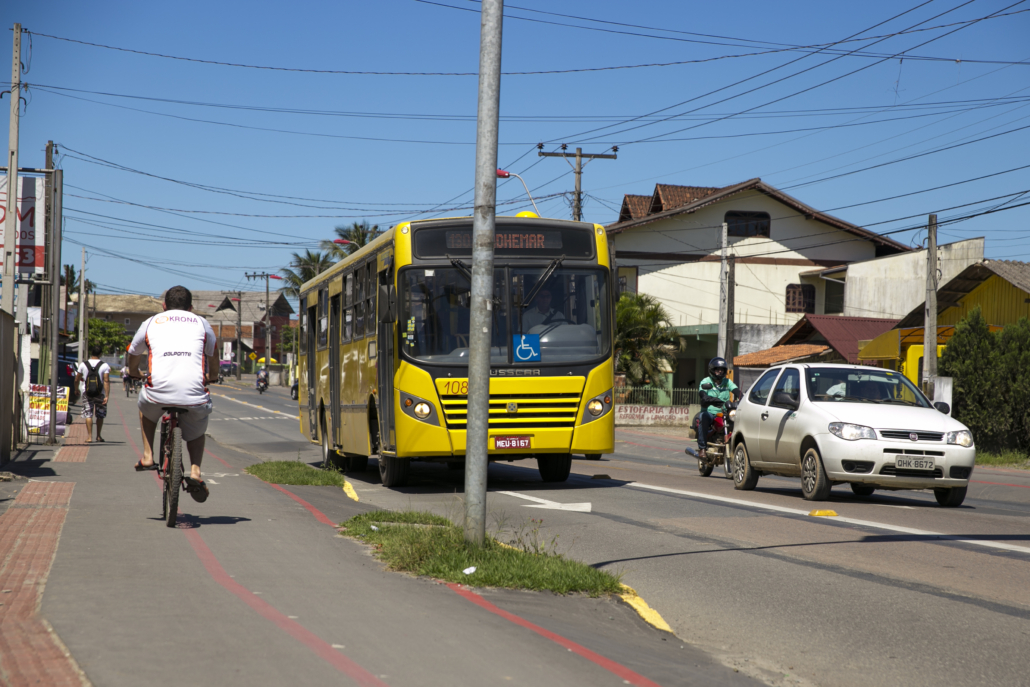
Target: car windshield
point(544, 314)
point(844, 385)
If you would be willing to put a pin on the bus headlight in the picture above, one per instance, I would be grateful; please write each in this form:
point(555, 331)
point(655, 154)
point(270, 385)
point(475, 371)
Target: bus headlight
point(595, 407)
point(422, 410)
point(418, 409)
point(598, 407)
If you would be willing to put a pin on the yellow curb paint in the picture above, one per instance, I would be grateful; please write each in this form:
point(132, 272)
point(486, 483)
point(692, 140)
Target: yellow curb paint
point(824, 513)
point(507, 546)
point(650, 616)
point(349, 490)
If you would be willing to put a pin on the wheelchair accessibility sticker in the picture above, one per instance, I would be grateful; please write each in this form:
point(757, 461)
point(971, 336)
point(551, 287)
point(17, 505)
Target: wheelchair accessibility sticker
point(527, 348)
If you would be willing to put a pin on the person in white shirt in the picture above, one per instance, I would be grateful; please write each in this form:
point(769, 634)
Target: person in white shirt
point(543, 313)
point(94, 400)
point(182, 362)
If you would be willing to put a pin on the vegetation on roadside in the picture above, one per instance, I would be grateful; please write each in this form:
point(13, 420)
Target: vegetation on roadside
point(295, 472)
point(645, 340)
point(1003, 458)
point(428, 544)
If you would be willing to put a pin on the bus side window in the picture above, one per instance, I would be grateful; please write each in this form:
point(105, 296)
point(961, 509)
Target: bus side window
point(323, 317)
point(347, 330)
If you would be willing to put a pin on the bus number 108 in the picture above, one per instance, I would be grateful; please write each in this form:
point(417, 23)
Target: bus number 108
point(460, 388)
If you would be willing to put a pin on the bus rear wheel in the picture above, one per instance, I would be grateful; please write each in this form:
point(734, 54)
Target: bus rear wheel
point(393, 471)
point(554, 467)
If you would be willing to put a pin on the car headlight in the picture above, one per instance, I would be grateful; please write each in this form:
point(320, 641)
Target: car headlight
point(963, 437)
point(422, 410)
point(595, 407)
point(851, 432)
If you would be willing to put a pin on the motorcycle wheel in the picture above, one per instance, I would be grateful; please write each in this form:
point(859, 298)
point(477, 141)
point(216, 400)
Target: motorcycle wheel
point(704, 467)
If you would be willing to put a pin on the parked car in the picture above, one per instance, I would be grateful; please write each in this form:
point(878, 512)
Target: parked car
point(66, 367)
point(864, 426)
point(227, 368)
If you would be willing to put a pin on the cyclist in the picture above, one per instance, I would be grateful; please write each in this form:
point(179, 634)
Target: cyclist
point(126, 378)
point(182, 362)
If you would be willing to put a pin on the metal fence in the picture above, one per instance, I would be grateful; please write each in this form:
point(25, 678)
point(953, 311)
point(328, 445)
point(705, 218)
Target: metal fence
point(656, 396)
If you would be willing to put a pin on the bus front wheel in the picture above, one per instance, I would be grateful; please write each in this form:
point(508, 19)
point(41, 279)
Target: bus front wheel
point(393, 471)
point(555, 467)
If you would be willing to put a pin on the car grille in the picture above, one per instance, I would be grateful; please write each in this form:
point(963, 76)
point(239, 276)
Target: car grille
point(912, 452)
point(904, 434)
point(892, 470)
point(534, 411)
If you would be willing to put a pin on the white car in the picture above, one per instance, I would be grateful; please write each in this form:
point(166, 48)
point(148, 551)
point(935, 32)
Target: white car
point(865, 426)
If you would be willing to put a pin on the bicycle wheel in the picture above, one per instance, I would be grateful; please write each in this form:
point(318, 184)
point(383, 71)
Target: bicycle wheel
point(173, 478)
point(161, 458)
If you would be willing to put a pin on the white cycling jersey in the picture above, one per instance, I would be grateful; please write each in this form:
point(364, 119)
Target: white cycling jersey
point(178, 341)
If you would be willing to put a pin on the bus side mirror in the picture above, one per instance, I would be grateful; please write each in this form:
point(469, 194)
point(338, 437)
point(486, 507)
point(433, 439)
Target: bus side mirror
point(387, 303)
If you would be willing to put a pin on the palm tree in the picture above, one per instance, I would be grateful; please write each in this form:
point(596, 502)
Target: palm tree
point(356, 235)
point(302, 269)
point(645, 341)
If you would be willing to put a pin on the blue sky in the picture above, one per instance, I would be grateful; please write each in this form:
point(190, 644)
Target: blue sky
point(326, 149)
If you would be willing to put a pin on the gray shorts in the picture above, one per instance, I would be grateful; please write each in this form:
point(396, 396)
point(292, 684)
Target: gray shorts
point(192, 423)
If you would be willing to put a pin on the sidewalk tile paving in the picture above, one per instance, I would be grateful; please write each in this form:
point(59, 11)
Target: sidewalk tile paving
point(30, 654)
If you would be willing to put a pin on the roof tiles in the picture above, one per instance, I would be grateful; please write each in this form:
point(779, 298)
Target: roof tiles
point(778, 354)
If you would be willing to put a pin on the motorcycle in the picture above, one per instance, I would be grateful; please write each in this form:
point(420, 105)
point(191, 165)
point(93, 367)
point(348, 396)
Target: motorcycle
point(720, 434)
point(262, 385)
point(294, 390)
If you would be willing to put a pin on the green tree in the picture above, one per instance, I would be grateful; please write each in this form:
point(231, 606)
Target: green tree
point(1014, 350)
point(287, 337)
point(302, 269)
point(357, 235)
point(972, 359)
point(645, 341)
point(110, 336)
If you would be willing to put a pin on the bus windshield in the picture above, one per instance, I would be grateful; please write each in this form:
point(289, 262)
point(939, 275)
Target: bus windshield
point(562, 319)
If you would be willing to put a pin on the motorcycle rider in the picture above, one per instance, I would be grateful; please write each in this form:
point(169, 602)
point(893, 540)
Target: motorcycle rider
point(719, 388)
point(262, 378)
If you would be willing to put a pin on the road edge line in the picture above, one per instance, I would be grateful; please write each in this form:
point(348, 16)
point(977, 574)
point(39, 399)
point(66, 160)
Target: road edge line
point(648, 614)
point(851, 521)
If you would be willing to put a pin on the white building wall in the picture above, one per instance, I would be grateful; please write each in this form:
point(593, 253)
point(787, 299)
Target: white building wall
point(893, 285)
point(690, 290)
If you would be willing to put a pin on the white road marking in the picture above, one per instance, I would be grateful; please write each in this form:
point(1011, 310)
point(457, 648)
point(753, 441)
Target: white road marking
point(252, 405)
point(552, 505)
point(853, 521)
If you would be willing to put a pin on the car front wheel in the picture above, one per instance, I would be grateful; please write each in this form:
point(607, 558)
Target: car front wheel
point(744, 476)
point(950, 498)
point(815, 486)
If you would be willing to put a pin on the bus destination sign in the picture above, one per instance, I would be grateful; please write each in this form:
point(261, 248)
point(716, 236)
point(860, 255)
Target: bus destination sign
point(461, 239)
point(509, 241)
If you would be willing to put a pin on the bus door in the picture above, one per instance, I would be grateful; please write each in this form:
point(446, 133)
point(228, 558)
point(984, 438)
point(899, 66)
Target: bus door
point(312, 373)
point(334, 367)
point(384, 359)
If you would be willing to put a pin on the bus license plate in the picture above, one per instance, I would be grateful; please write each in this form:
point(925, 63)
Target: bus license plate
point(914, 463)
point(511, 442)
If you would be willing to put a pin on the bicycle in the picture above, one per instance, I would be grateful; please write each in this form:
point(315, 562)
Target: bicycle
point(169, 467)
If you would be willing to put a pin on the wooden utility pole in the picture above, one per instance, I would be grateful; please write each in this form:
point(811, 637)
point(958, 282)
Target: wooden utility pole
point(239, 329)
point(930, 312)
point(721, 348)
point(83, 326)
point(731, 282)
point(268, 313)
point(577, 201)
point(11, 218)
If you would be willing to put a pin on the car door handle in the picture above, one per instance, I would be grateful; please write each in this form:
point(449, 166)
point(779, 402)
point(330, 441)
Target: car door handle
point(765, 415)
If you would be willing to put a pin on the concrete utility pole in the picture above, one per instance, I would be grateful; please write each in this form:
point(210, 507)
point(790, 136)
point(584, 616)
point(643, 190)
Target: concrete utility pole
point(268, 313)
point(721, 347)
point(11, 219)
point(731, 284)
point(577, 201)
point(483, 225)
point(930, 313)
point(54, 273)
point(45, 314)
point(83, 328)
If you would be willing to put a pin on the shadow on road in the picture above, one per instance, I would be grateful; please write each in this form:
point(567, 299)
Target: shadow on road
point(189, 522)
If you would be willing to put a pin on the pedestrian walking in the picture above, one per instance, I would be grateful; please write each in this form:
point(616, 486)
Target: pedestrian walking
point(94, 381)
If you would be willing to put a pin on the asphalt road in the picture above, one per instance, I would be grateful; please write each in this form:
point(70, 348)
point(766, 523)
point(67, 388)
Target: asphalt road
point(895, 590)
point(255, 586)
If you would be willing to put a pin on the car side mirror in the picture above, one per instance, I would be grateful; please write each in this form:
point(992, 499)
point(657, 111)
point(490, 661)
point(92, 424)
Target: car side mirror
point(706, 387)
point(782, 398)
point(943, 407)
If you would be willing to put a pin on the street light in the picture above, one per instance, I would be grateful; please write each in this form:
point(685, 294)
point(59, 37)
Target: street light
point(343, 242)
point(501, 174)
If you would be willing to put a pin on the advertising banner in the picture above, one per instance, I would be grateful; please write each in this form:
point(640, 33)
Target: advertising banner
point(38, 417)
point(227, 350)
point(31, 228)
point(629, 415)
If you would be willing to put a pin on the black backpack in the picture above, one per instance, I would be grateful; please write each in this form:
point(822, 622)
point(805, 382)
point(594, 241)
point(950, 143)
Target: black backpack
point(94, 385)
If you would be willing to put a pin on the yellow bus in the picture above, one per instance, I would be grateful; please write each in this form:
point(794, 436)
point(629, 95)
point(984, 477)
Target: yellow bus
point(384, 360)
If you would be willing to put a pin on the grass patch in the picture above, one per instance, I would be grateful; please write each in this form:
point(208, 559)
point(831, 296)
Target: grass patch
point(439, 550)
point(1010, 458)
point(295, 472)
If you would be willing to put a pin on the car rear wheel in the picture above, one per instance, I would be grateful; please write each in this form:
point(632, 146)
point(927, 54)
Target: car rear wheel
point(862, 489)
point(950, 498)
point(815, 486)
point(744, 476)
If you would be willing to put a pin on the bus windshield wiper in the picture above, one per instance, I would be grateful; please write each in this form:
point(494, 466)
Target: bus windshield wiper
point(462, 267)
point(543, 280)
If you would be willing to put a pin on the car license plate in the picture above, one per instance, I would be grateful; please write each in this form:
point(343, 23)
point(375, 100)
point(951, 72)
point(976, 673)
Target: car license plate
point(914, 463)
point(511, 442)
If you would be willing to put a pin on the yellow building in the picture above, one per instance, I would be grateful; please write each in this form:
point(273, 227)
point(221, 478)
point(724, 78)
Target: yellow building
point(1000, 288)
